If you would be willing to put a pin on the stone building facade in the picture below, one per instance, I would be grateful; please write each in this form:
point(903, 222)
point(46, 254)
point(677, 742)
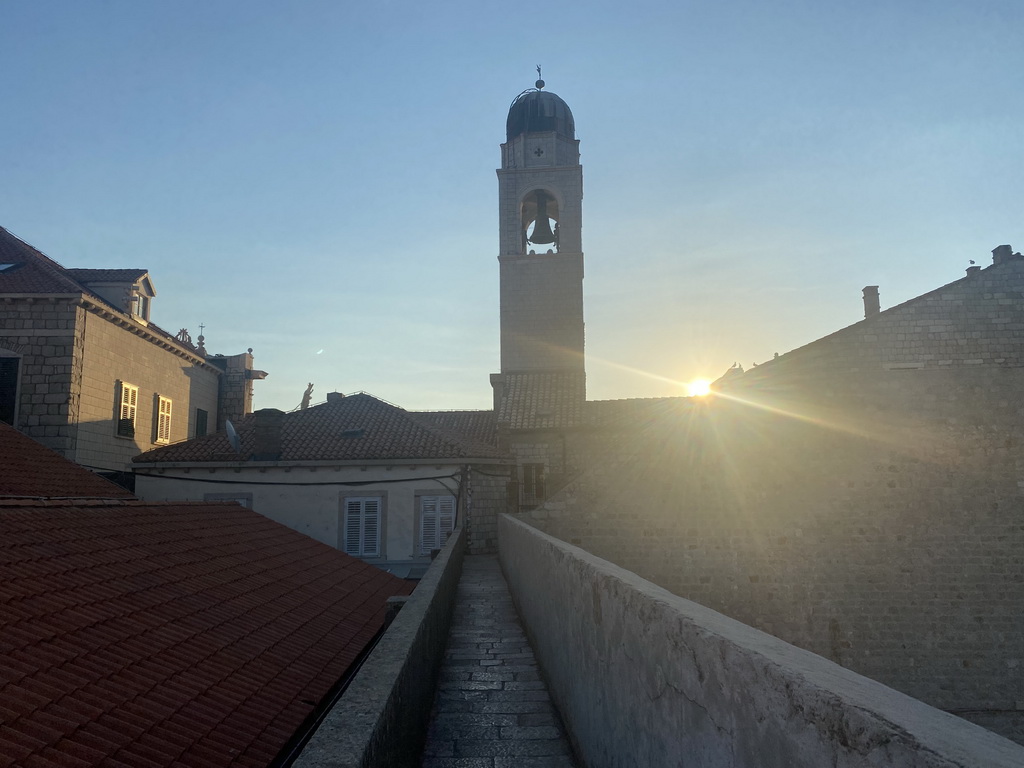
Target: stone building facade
point(860, 497)
point(85, 371)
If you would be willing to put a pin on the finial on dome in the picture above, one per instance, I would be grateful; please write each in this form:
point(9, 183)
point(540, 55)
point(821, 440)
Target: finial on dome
point(539, 83)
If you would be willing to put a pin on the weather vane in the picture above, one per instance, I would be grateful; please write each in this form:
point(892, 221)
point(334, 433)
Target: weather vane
point(540, 82)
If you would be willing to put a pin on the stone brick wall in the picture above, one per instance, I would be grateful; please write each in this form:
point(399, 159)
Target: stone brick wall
point(542, 312)
point(860, 497)
point(642, 677)
point(488, 497)
point(111, 354)
point(235, 386)
point(44, 334)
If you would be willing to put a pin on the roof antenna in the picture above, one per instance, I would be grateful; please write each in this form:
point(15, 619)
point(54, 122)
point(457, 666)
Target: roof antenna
point(539, 83)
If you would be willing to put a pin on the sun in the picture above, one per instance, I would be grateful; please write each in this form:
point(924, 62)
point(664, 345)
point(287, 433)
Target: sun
point(698, 388)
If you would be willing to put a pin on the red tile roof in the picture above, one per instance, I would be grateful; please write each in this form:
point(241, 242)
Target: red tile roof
point(30, 469)
point(353, 428)
point(32, 271)
point(158, 634)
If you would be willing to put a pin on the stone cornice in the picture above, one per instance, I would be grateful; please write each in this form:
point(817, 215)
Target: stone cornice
point(108, 313)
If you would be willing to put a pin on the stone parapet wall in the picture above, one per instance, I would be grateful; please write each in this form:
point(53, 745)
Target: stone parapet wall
point(872, 518)
point(644, 677)
point(381, 719)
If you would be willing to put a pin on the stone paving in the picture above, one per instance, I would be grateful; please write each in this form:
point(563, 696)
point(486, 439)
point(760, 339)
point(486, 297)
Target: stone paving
point(492, 710)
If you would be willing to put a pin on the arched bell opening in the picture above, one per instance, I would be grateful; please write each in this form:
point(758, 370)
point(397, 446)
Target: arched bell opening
point(540, 222)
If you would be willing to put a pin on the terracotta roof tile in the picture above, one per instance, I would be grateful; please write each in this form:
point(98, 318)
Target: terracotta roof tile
point(154, 634)
point(28, 468)
point(357, 427)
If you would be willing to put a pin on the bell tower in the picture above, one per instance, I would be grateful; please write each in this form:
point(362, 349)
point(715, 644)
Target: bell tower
point(540, 196)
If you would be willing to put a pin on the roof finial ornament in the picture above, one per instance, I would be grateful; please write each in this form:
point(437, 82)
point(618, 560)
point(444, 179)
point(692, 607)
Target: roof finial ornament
point(201, 348)
point(539, 83)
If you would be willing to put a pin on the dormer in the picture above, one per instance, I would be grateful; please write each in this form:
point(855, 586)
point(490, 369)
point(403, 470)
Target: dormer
point(129, 290)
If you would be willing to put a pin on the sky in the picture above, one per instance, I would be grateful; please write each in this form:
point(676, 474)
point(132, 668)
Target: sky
point(315, 179)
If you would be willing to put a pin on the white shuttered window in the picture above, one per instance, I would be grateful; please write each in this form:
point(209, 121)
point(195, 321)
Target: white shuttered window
point(163, 420)
point(129, 406)
point(437, 520)
point(362, 525)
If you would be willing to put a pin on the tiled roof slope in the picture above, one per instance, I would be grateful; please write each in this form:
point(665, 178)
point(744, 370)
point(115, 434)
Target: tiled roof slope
point(973, 321)
point(628, 413)
point(480, 426)
point(542, 400)
point(357, 427)
point(169, 634)
point(30, 469)
point(34, 272)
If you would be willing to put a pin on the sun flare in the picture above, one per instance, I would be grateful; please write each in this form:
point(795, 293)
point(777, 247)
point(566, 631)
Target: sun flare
point(698, 388)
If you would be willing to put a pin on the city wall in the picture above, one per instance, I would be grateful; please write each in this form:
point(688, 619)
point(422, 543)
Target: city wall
point(644, 677)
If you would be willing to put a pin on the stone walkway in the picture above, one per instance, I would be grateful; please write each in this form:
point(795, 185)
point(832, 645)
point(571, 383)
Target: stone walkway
point(491, 709)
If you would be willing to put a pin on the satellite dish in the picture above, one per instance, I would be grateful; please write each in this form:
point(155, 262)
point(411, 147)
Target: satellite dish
point(236, 444)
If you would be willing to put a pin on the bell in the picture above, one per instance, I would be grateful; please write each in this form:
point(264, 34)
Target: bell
point(542, 233)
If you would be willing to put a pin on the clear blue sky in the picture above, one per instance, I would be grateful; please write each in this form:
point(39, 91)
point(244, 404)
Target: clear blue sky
point(316, 179)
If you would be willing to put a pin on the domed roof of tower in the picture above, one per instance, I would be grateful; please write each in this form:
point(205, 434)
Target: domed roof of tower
point(538, 111)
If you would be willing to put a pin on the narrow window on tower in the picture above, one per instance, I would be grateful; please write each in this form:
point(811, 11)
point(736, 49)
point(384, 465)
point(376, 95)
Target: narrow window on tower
point(534, 490)
point(201, 422)
point(9, 388)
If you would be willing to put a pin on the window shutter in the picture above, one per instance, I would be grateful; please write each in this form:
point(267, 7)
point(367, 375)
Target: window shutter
point(163, 422)
point(129, 403)
point(353, 527)
point(428, 524)
point(446, 524)
point(437, 520)
point(363, 527)
point(371, 528)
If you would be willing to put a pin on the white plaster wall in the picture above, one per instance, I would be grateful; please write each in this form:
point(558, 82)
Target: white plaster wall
point(645, 678)
point(308, 500)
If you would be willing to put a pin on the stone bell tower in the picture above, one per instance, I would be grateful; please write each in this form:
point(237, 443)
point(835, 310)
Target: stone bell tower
point(540, 195)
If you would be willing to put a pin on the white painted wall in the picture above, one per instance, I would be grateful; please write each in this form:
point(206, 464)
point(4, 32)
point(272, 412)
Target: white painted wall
point(308, 499)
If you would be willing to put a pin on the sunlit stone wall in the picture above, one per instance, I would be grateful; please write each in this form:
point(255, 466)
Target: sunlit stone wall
point(862, 497)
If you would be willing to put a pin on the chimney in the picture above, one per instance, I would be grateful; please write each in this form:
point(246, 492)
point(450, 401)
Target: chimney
point(334, 397)
point(871, 305)
point(1001, 253)
point(973, 270)
point(267, 434)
